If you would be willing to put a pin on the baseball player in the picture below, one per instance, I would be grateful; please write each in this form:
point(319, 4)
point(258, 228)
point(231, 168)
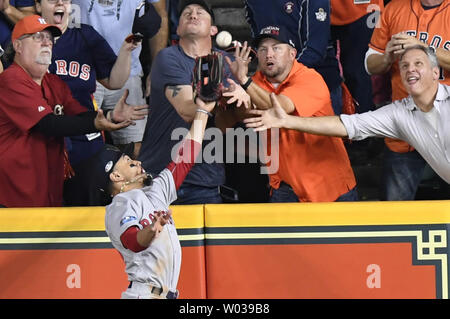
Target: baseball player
point(138, 220)
point(405, 23)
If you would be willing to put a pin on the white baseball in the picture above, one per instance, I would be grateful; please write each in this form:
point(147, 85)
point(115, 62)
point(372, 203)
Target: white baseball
point(223, 39)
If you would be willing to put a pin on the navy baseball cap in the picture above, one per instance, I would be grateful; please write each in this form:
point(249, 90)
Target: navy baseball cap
point(184, 3)
point(106, 159)
point(276, 32)
point(147, 24)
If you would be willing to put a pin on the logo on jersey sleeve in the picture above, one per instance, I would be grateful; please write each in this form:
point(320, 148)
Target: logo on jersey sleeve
point(321, 15)
point(73, 69)
point(41, 108)
point(127, 219)
point(289, 7)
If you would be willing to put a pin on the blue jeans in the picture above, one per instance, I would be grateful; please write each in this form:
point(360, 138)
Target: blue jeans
point(285, 194)
point(402, 173)
point(189, 194)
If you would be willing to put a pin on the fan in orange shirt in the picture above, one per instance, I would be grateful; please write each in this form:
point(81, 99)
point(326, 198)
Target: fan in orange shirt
point(311, 168)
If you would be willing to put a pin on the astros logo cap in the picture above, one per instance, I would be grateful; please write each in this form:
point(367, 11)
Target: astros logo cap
point(32, 24)
point(276, 32)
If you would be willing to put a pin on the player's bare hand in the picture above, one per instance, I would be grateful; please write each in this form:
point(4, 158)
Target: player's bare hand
point(123, 111)
point(103, 124)
point(263, 120)
point(237, 94)
point(164, 217)
point(160, 219)
point(242, 58)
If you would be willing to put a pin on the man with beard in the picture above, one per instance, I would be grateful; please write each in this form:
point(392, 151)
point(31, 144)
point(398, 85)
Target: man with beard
point(36, 110)
point(311, 168)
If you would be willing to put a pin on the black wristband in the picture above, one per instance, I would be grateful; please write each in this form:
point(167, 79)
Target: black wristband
point(247, 84)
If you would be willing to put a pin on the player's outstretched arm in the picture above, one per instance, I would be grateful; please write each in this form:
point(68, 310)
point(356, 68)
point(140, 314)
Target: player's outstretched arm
point(191, 145)
point(198, 126)
point(137, 239)
point(277, 117)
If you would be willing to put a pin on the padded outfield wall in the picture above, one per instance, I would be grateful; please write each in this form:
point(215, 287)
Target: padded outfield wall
point(320, 250)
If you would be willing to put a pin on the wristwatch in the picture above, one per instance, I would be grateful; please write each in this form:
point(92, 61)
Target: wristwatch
point(1, 51)
point(432, 49)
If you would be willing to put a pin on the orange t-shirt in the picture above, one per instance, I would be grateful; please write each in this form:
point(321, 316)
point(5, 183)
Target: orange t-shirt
point(316, 167)
point(430, 26)
point(347, 11)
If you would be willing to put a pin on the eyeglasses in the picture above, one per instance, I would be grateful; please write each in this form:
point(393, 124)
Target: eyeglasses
point(40, 36)
point(56, 1)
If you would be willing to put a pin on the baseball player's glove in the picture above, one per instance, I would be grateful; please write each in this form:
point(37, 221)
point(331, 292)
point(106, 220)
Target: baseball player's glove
point(208, 77)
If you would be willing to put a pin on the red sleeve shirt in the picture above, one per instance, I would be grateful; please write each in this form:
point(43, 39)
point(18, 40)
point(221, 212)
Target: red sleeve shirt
point(31, 164)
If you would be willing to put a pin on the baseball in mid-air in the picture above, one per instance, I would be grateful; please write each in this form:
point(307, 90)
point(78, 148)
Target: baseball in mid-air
point(223, 39)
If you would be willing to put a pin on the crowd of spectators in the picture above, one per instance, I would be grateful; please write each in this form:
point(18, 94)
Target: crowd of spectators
point(118, 72)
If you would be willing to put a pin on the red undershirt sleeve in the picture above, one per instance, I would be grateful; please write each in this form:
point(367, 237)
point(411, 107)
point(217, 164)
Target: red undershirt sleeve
point(129, 239)
point(184, 161)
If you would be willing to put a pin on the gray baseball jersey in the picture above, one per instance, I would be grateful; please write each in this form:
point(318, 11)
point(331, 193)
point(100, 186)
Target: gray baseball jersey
point(159, 264)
